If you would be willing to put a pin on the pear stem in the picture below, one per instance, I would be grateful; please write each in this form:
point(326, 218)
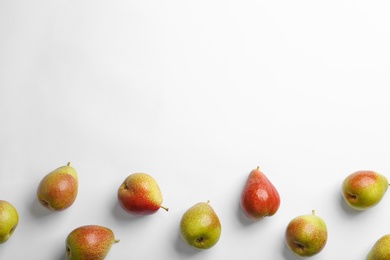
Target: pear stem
point(165, 208)
point(313, 212)
point(116, 241)
point(68, 164)
point(258, 168)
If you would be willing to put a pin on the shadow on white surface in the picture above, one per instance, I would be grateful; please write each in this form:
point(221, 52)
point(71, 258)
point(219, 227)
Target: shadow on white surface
point(37, 210)
point(243, 219)
point(183, 249)
point(62, 255)
point(287, 254)
point(350, 212)
point(122, 216)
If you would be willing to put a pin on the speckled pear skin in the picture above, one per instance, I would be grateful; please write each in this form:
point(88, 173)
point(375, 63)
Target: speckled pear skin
point(200, 226)
point(58, 190)
point(9, 220)
point(140, 194)
point(259, 197)
point(306, 235)
point(381, 249)
point(364, 189)
point(91, 242)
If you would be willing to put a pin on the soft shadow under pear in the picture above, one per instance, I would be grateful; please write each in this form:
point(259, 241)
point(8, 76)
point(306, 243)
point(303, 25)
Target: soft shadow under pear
point(183, 249)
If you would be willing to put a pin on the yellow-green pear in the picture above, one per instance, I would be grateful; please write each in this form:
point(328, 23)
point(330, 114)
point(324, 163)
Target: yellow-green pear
point(306, 235)
point(200, 226)
point(58, 189)
point(381, 249)
point(9, 220)
point(90, 242)
point(364, 189)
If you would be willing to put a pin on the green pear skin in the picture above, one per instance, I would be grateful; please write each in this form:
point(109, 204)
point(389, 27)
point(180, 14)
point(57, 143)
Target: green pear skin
point(200, 226)
point(362, 190)
point(306, 235)
point(57, 191)
point(381, 249)
point(9, 220)
point(140, 194)
point(90, 242)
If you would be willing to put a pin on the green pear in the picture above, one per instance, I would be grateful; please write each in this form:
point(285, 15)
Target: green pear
point(364, 189)
point(200, 226)
point(140, 194)
point(58, 189)
point(9, 220)
point(306, 235)
point(89, 242)
point(381, 249)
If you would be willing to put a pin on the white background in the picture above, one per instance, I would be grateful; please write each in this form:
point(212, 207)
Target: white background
point(197, 94)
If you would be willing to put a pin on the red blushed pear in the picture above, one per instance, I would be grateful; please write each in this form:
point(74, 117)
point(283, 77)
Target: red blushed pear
point(364, 189)
point(259, 197)
point(58, 189)
point(140, 194)
point(306, 235)
point(89, 242)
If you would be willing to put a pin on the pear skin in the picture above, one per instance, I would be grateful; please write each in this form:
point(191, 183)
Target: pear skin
point(89, 242)
point(362, 190)
point(381, 249)
point(140, 194)
point(200, 226)
point(9, 220)
point(58, 190)
point(259, 197)
point(306, 235)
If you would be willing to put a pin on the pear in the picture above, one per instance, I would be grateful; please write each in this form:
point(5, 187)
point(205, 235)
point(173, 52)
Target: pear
point(381, 249)
point(364, 189)
point(58, 189)
point(140, 194)
point(306, 235)
point(259, 197)
point(89, 242)
point(200, 226)
point(9, 220)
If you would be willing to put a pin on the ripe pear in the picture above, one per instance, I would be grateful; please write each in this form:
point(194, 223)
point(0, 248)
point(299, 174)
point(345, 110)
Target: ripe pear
point(381, 249)
point(364, 189)
point(306, 235)
point(200, 226)
point(89, 242)
point(58, 189)
point(259, 197)
point(140, 194)
point(9, 220)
